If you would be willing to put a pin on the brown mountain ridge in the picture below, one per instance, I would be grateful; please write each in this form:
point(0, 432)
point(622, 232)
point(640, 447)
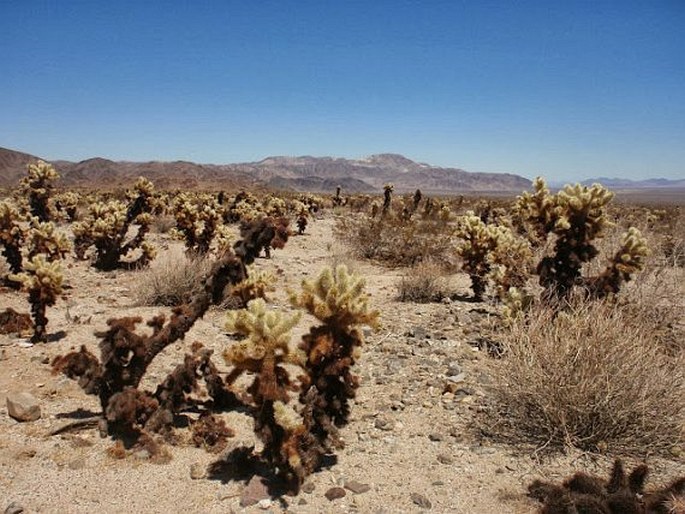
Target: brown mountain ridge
point(305, 173)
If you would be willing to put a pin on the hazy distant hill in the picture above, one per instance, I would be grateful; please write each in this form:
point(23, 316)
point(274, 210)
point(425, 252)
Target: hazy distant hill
point(624, 183)
point(373, 172)
point(295, 173)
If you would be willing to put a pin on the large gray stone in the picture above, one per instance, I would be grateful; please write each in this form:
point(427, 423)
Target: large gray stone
point(23, 406)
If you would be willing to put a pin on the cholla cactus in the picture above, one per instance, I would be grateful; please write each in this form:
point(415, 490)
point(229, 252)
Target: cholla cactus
point(106, 227)
point(265, 351)
point(66, 203)
point(42, 238)
point(576, 215)
point(492, 252)
point(274, 206)
point(511, 260)
point(37, 186)
point(387, 197)
point(43, 281)
point(12, 235)
point(197, 220)
point(256, 285)
point(628, 260)
point(537, 212)
point(244, 207)
point(338, 300)
point(477, 242)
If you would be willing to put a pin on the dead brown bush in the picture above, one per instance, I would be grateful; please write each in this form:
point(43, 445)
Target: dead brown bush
point(426, 282)
point(396, 241)
point(172, 279)
point(594, 377)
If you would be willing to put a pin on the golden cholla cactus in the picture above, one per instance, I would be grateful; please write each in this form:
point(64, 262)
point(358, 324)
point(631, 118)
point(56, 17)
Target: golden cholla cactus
point(511, 260)
point(12, 235)
point(628, 260)
point(256, 285)
point(577, 216)
point(197, 220)
point(66, 203)
point(43, 281)
point(477, 242)
point(538, 210)
point(43, 238)
point(267, 337)
point(106, 228)
point(37, 186)
point(337, 298)
point(581, 204)
point(274, 206)
point(264, 352)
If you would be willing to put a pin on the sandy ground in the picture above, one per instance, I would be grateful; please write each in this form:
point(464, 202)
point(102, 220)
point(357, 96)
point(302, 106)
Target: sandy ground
point(415, 447)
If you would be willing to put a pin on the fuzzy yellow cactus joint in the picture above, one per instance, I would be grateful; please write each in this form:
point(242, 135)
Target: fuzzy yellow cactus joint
point(43, 281)
point(267, 335)
point(37, 185)
point(337, 298)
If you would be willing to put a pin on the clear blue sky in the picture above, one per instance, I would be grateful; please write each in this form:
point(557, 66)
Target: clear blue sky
point(567, 89)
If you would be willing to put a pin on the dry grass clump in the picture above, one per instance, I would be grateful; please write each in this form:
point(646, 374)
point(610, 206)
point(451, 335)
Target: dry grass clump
point(172, 279)
point(426, 282)
point(397, 241)
point(594, 377)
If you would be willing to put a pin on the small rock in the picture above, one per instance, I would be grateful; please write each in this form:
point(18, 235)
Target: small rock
point(23, 406)
point(435, 437)
point(142, 454)
point(421, 501)
point(334, 493)
point(264, 504)
point(443, 458)
point(255, 491)
point(14, 508)
point(302, 501)
point(357, 487)
point(418, 333)
point(308, 487)
point(453, 369)
point(457, 379)
point(197, 471)
point(383, 423)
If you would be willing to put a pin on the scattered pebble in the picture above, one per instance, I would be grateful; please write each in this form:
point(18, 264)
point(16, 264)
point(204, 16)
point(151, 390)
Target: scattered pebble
point(421, 501)
point(357, 487)
point(197, 471)
point(443, 458)
point(335, 492)
point(384, 423)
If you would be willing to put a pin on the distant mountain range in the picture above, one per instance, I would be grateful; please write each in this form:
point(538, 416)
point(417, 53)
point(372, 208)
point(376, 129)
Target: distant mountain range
point(291, 173)
point(624, 183)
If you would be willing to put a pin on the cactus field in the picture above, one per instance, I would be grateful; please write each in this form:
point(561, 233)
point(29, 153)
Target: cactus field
point(242, 351)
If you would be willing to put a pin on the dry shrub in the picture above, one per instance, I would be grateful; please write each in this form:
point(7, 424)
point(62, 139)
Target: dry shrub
point(594, 377)
point(396, 241)
point(163, 223)
point(172, 279)
point(423, 283)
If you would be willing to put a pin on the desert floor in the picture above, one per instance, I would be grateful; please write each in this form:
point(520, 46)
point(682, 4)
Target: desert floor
point(414, 446)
